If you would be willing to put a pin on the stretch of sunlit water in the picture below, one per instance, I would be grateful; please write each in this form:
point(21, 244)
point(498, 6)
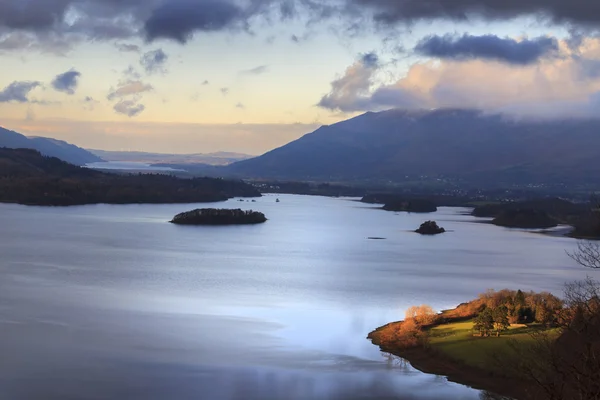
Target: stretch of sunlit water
point(113, 302)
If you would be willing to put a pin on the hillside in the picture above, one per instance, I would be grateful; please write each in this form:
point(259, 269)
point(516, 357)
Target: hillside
point(27, 177)
point(463, 146)
point(48, 147)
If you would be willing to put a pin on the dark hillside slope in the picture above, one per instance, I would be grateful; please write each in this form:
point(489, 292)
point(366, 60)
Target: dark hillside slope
point(27, 177)
point(464, 145)
point(48, 147)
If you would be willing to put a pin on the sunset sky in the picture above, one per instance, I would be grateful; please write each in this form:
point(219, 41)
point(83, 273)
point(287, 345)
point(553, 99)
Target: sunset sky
point(189, 76)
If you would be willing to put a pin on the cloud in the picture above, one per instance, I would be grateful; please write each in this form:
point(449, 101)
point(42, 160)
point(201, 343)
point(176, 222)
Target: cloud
point(130, 74)
point(154, 61)
point(18, 91)
point(572, 12)
point(24, 41)
point(72, 21)
point(131, 108)
point(261, 69)
point(89, 103)
point(67, 82)
point(32, 14)
point(354, 84)
point(180, 19)
point(127, 48)
point(490, 47)
point(566, 86)
point(129, 88)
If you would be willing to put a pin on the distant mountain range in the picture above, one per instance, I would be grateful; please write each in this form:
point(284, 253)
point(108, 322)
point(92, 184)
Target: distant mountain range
point(48, 147)
point(458, 145)
point(219, 158)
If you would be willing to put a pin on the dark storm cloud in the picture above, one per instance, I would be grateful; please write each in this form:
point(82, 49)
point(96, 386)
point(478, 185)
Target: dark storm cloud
point(490, 47)
point(32, 14)
point(180, 19)
point(577, 12)
point(154, 61)
point(18, 91)
point(67, 82)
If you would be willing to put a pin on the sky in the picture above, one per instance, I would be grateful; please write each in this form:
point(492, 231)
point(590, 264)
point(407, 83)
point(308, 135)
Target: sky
point(188, 76)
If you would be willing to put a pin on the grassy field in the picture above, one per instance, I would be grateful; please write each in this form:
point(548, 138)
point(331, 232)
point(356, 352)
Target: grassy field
point(456, 340)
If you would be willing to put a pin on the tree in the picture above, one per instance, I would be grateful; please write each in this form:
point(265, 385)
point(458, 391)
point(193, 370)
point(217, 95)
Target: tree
point(567, 367)
point(484, 322)
point(422, 315)
point(587, 254)
point(500, 316)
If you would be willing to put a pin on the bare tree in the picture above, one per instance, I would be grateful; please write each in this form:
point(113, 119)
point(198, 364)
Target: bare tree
point(587, 254)
point(564, 367)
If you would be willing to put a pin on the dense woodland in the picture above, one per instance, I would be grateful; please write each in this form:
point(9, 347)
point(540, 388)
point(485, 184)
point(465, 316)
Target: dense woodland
point(543, 213)
point(27, 177)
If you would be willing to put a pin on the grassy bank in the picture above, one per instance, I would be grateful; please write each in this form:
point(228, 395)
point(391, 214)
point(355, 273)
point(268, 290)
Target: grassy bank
point(456, 340)
point(449, 347)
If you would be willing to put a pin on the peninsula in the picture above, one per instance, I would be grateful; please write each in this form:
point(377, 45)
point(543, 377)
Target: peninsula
point(27, 177)
point(474, 343)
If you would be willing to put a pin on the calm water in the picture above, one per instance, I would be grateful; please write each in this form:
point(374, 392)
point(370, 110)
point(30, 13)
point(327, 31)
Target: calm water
point(129, 166)
point(112, 302)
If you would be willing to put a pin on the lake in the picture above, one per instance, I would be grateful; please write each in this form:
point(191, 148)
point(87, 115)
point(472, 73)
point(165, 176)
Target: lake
point(130, 166)
point(113, 302)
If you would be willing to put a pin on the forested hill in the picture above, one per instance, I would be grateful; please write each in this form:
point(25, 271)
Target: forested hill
point(456, 145)
point(48, 147)
point(27, 177)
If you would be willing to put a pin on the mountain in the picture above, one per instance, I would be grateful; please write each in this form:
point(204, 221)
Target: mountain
point(219, 158)
point(49, 147)
point(449, 145)
point(28, 177)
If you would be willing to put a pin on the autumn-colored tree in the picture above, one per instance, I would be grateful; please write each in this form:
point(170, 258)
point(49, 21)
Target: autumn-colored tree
point(422, 315)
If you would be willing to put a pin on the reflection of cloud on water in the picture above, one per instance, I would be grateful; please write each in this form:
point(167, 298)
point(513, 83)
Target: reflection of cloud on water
point(173, 381)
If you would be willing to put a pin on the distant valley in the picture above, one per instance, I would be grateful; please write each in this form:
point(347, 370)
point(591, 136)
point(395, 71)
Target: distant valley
point(219, 158)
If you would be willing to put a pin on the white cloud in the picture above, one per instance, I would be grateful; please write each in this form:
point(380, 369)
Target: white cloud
point(564, 86)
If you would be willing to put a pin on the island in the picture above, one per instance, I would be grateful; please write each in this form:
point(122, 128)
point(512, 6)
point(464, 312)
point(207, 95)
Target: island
point(413, 205)
point(213, 216)
point(525, 219)
point(496, 341)
point(430, 228)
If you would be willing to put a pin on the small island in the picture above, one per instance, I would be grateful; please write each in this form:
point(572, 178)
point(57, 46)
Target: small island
point(213, 216)
point(430, 228)
point(525, 219)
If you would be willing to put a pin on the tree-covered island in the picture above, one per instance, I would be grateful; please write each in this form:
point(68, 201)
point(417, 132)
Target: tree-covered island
point(213, 216)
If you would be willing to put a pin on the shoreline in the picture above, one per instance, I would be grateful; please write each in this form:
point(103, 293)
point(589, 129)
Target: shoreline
point(428, 360)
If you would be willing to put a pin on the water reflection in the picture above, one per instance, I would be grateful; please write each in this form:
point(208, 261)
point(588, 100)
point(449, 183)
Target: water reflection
point(112, 302)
